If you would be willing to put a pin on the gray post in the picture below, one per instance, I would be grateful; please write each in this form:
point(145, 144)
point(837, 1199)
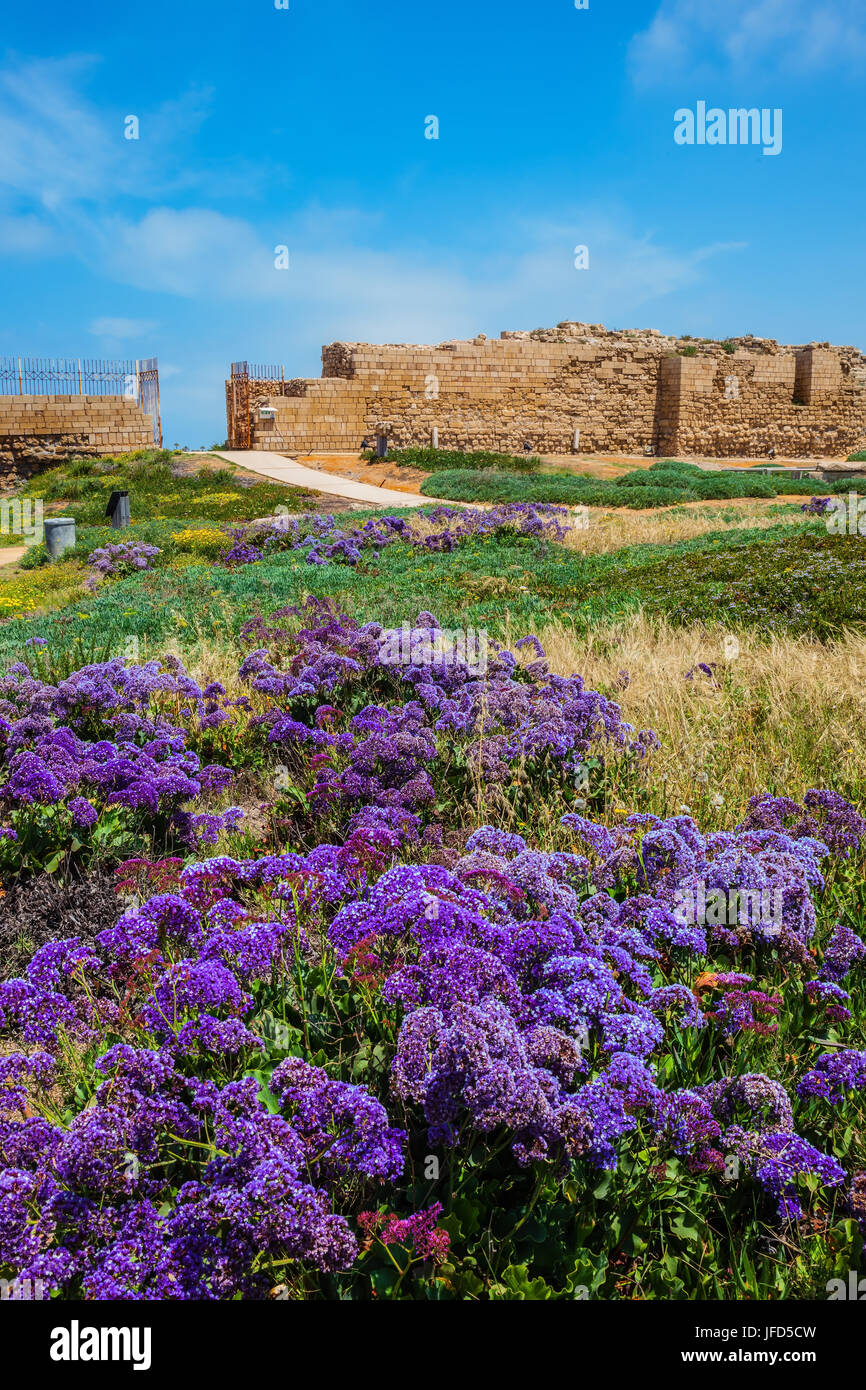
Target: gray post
point(434, 438)
point(118, 509)
point(381, 445)
point(59, 535)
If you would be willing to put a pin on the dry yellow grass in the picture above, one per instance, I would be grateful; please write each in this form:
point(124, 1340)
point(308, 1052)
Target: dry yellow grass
point(611, 528)
point(780, 715)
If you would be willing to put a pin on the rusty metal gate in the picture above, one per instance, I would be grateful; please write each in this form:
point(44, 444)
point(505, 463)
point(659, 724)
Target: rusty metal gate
point(239, 407)
point(250, 381)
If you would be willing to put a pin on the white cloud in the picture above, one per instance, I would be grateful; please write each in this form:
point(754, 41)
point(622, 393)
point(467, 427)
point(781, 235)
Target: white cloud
point(57, 148)
point(201, 254)
point(765, 37)
point(76, 189)
point(69, 172)
point(28, 235)
point(121, 329)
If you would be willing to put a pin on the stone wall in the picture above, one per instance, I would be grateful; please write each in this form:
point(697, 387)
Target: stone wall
point(41, 428)
point(577, 388)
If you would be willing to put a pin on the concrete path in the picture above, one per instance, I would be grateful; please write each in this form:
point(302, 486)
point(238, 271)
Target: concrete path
point(294, 474)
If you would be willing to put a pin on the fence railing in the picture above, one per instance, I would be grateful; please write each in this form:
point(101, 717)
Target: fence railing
point(258, 371)
point(136, 379)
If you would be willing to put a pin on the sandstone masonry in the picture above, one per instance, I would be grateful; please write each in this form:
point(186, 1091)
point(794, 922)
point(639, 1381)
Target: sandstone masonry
point(576, 388)
point(36, 429)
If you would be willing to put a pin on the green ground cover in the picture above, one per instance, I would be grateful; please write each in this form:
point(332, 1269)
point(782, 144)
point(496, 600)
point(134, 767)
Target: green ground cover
point(487, 583)
point(435, 460)
point(665, 483)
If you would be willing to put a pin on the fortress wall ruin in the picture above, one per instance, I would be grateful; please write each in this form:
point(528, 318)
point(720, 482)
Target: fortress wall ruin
point(36, 428)
point(623, 392)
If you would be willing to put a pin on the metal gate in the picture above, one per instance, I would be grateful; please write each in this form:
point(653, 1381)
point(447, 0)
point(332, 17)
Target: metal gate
point(147, 381)
point(239, 423)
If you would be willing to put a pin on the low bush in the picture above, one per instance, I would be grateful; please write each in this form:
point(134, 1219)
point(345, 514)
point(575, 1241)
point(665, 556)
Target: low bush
point(854, 484)
point(657, 486)
point(521, 1075)
point(435, 460)
point(805, 582)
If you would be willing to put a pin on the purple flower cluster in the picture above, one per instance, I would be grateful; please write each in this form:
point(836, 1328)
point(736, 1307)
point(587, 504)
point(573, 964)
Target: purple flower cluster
point(525, 998)
point(83, 1207)
point(99, 739)
point(419, 1232)
point(323, 541)
point(526, 990)
point(168, 1186)
point(844, 951)
point(109, 561)
point(678, 869)
point(387, 755)
point(824, 815)
point(834, 1075)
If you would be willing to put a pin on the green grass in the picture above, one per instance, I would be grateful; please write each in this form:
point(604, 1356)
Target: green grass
point(489, 583)
point(799, 583)
point(642, 488)
point(83, 487)
point(483, 583)
point(435, 460)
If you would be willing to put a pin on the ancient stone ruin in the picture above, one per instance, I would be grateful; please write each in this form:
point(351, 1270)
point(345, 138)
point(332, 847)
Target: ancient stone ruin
point(65, 407)
point(577, 388)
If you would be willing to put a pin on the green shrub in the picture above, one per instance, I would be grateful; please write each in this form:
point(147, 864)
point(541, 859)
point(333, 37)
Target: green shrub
point(436, 460)
point(566, 488)
point(663, 477)
point(857, 484)
point(674, 466)
point(806, 582)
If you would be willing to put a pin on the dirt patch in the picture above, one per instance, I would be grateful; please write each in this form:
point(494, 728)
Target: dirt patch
point(378, 474)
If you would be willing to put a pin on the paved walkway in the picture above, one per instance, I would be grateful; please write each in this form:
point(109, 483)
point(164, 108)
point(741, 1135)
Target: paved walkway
point(294, 474)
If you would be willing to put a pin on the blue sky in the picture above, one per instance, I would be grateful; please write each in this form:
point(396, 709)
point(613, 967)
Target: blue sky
point(305, 127)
